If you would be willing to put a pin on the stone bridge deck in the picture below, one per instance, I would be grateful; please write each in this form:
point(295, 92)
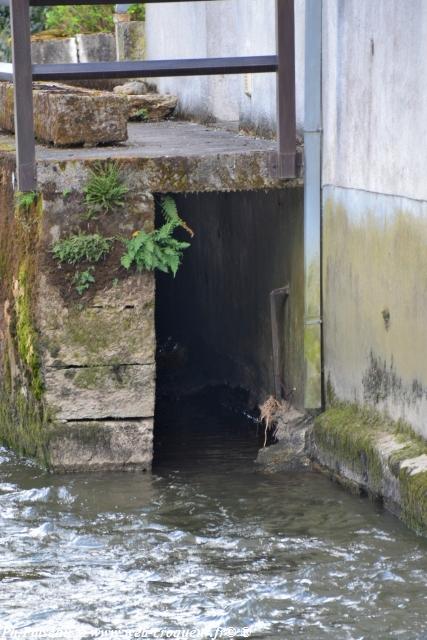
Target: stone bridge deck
point(176, 157)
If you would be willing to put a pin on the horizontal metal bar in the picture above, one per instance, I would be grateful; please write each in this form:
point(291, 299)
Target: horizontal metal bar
point(51, 3)
point(6, 71)
point(155, 68)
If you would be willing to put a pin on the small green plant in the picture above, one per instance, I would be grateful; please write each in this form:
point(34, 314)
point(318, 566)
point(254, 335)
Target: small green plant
point(157, 249)
point(66, 193)
point(82, 247)
point(25, 199)
point(137, 12)
point(142, 114)
point(104, 190)
point(83, 280)
point(70, 20)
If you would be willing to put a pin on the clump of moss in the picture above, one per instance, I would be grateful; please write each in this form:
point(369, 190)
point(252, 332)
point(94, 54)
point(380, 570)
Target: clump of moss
point(350, 433)
point(414, 499)
point(23, 425)
point(353, 435)
point(26, 335)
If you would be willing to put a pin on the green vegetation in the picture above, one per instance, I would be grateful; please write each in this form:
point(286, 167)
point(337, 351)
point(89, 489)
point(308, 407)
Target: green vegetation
point(353, 435)
point(70, 20)
point(137, 12)
point(350, 433)
point(83, 280)
point(157, 249)
point(142, 114)
point(105, 190)
point(25, 199)
point(24, 425)
point(414, 499)
point(26, 336)
point(82, 247)
point(65, 21)
point(38, 22)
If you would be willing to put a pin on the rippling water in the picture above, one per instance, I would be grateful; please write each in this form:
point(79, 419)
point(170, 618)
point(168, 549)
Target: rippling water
point(206, 541)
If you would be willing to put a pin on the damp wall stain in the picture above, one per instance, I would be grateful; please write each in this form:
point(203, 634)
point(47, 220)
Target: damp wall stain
point(375, 301)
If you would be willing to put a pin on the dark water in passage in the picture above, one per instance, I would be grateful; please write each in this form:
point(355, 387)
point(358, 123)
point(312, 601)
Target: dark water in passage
point(206, 541)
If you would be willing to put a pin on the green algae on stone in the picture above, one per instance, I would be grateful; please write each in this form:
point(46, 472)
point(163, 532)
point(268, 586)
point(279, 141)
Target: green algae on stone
point(414, 499)
point(114, 376)
point(26, 334)
point(353, 435)
point(23, 425)
point(349, 433)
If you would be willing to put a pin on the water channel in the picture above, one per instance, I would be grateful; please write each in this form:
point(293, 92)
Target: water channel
point(207, 545)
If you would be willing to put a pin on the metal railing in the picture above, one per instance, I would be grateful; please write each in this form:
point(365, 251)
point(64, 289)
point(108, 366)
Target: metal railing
point(22, 73)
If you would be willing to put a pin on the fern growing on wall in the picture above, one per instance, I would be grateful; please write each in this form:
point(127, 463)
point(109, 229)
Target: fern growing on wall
point(157, 249)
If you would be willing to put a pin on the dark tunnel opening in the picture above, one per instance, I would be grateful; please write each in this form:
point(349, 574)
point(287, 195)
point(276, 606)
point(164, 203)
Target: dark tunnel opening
point(213, 319)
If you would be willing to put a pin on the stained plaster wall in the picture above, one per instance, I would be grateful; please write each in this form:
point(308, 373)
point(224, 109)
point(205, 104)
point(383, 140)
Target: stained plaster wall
point(375, 204)
point(223, 28)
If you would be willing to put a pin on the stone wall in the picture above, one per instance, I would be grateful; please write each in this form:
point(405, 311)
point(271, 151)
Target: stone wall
point(97, 47)
point(78, 368)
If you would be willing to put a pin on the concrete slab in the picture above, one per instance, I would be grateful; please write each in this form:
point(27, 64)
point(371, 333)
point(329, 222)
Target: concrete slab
point(175, 157)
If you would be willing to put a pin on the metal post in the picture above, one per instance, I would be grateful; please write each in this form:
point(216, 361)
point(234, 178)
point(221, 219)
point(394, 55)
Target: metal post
point(286, 116)
point(23, 95)
point(278, 298)
point(312, 206)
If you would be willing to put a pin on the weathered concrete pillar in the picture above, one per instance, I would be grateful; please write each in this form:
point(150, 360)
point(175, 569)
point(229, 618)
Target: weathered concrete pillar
point(130, 40)
point(91, 47)
point(96, 47)
point(54, 50)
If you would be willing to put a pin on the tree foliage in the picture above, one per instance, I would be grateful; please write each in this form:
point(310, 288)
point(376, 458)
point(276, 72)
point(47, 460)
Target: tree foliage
point(38, 23)
point(73, 19)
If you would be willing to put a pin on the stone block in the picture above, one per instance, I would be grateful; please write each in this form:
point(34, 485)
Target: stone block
point(99, 393)
point(54, 51)
point(117, 327)
point(102, 446)
point(132, 88)
point(65, 115)
point(152, 107)
point(130, 38)
point(96, 47)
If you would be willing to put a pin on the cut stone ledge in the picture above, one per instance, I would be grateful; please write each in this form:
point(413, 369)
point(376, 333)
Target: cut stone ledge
point(60, 110)
point(101, 446)
point(99, 393)
point(376, 465)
